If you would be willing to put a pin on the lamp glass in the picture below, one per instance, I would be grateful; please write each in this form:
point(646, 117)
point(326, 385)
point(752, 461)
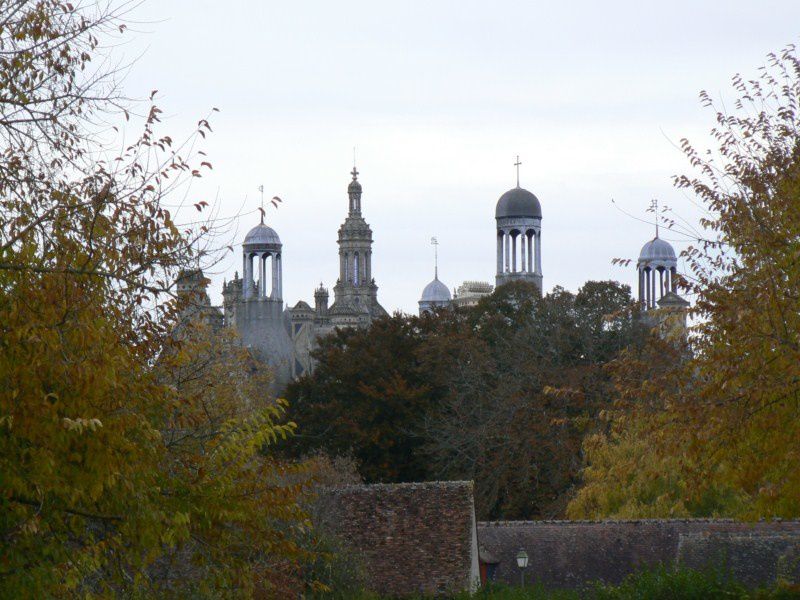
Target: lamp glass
point(522, 559)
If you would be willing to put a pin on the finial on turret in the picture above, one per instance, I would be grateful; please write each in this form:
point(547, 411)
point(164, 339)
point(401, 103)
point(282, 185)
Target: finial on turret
point(517, 164)
point(435, 244)
point(654, 206)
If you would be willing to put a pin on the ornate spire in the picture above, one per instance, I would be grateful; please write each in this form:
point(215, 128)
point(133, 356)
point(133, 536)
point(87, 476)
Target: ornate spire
point(354, 192)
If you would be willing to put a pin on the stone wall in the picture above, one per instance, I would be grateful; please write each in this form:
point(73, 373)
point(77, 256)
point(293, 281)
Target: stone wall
point(569, 554)
point(414, 538)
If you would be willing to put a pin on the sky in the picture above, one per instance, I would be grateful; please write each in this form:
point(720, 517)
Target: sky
point(438, 98)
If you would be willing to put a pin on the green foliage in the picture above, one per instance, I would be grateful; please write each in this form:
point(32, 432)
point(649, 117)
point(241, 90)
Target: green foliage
point(673, 584)
point(364, 397)
point(661, 583)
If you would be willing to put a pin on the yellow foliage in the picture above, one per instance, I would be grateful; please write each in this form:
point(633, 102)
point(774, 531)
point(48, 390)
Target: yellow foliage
point(718, 433)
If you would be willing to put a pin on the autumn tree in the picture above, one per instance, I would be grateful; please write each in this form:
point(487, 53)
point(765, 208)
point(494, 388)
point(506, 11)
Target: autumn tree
point(721, 434)
point(364, 398)
point(112, 463)
point(523, 390)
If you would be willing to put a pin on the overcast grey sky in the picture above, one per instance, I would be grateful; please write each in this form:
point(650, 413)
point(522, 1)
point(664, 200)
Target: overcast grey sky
point(438, 98)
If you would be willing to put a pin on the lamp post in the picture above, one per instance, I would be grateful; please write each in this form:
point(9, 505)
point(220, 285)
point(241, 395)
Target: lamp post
point(522, 563)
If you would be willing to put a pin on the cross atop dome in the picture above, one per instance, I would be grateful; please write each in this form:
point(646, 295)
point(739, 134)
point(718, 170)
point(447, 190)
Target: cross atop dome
point(517, 164)
point(354, 173)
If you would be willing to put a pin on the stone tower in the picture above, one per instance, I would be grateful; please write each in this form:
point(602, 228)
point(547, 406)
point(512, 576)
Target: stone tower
point(254, 304)
point(355, 293)
point(657, 267)
point(518, 216)
point(658, 272)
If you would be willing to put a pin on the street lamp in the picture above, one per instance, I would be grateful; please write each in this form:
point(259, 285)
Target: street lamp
point(522, 563)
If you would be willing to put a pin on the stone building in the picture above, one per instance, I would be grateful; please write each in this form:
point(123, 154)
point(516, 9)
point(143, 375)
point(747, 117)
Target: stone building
point(469, 293)
point(518, 222)
point(355, 295)
point(284, 338)
point(573, 554)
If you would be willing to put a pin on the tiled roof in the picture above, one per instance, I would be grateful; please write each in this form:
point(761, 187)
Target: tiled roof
point(411, 538)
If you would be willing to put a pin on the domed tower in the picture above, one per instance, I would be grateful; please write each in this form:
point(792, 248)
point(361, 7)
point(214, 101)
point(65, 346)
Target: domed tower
point(262, 246)
point(519, 236)
point(436, 294)
point(657, 267)
point(258, 311)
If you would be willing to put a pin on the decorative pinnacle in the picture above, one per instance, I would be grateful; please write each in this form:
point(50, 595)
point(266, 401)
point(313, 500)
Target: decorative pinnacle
point(654, 206)
point(275, 201)
point(435, 244)
point(354, 173)
point(261, 189)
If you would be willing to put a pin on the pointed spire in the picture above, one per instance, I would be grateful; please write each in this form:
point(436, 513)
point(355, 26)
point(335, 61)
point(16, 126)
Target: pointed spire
point(354, 192)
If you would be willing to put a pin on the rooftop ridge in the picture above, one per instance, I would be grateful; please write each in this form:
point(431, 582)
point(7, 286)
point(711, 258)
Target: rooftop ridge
point(621, 521)
point(394, 486)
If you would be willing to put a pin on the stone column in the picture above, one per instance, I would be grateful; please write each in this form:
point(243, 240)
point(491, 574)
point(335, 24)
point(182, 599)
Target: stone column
point(508, 248)
point(262, 279)
point(245, 276)
point(538, 240)
point(499, 252)
point(641, 286)
point(514, 253)
point(530, 237)
point(277, 266)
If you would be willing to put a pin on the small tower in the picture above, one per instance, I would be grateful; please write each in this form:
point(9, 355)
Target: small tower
point(261, 256)
point(658, 269)
point(518, 216)
point(258, 313)
point(355, 293)
point(191, 287)
point(657, 266)
point(436, 294)
point(658, 277)
point(321, 302)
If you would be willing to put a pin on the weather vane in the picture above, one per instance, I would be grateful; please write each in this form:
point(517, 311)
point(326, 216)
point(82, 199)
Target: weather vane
point(275, 200)
point(517, 164)
point(654, 207)
point(435, 244)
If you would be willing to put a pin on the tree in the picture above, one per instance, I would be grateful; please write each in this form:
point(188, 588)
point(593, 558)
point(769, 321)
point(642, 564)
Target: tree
point(500, 394)
point(523, 390)
point(364, 397)
point(110, 467)
point(722, 432)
